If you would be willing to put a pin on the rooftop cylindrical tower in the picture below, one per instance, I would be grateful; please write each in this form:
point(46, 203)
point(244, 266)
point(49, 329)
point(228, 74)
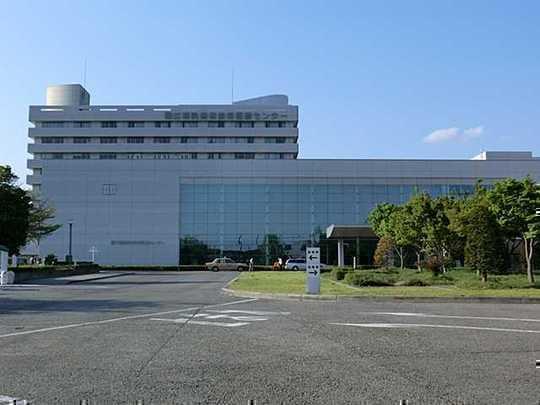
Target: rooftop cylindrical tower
point(67, 94)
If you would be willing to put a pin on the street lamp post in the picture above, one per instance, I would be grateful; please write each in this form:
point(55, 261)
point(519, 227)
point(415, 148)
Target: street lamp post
point(69, 257)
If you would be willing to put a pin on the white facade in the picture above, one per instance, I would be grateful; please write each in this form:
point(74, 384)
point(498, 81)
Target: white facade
point(117, 172)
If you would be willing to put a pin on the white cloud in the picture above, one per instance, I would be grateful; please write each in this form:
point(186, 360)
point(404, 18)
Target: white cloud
point(474, 132)
point(453, 134)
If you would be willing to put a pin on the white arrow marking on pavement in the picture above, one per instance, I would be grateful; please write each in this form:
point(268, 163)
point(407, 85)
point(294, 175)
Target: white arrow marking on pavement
point(191, 321)
point(77, 325)
point(4, 399)
point(420, 325)
point(450, 316)
point(230, 311)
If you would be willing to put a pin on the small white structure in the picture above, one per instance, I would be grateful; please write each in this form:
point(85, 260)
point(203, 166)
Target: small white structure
point(4, 279)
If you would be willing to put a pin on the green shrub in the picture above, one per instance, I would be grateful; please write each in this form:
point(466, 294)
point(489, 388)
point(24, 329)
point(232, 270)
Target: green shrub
point(338, 273)
point(367, 280)
point(50, 259)
point(415, 282)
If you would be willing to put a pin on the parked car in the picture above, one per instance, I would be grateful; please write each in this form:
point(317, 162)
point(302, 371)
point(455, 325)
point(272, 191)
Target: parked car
point(224, 263)
point(298, 264)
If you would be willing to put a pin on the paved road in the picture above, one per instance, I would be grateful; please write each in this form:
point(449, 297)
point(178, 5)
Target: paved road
point(175, 338)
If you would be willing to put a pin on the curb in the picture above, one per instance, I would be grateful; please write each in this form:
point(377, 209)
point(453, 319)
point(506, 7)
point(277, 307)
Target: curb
point(345, 298)
point(98, 278)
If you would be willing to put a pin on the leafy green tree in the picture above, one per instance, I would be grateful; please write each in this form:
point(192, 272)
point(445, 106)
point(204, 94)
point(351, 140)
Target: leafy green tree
point(514, 203)
point(414, 217)
point(386, 223)
point(15, 205)
point(484, 239)
point(39, 220)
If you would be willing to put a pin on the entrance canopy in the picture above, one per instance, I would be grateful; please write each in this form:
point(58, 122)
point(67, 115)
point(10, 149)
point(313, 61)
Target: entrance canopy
point(349, 232)
point(341, 232)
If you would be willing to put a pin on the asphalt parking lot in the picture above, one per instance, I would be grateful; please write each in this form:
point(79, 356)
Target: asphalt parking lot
point(176, 338)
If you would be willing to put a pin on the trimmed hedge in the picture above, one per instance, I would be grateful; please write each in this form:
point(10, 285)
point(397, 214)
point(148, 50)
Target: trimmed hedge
point(367, 280)
point(338, 273)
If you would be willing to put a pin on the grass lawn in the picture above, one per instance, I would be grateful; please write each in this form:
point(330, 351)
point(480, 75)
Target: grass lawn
point(457, 283)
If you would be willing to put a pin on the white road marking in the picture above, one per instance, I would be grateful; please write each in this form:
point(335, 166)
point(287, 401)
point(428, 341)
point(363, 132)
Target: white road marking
point(194, 322)
point(76, 325)
point(421, 325)
point(420, 315)
point(4, 399)
point(206, 318)
point(232, 311)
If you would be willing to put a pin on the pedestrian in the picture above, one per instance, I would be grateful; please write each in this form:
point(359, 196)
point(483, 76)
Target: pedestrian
point(251, 264)
point(280, 262)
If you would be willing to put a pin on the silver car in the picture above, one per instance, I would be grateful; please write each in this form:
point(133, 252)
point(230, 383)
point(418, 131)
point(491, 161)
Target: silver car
point(224, 263)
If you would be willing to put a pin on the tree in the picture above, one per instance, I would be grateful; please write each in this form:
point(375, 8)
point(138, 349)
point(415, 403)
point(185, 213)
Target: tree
point(383, 254)
point(414, 216)
point(15, 204)
point(484, 240)
point(454, 239)
point(40, 215)
point(514, 204)
point(385, 222)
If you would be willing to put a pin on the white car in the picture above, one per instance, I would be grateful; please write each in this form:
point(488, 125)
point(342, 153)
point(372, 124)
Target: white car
point(298, 264)
point(224, 263)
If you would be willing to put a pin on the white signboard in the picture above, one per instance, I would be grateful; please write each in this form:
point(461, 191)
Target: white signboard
point(313, 270)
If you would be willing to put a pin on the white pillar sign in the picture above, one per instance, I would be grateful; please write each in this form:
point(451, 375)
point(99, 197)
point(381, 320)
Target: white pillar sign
point(313, 270)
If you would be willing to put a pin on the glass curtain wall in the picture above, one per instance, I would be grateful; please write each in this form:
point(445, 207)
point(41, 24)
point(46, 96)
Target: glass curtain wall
point(267, 218)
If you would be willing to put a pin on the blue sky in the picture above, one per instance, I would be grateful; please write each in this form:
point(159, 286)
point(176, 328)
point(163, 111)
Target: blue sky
point(380, 79)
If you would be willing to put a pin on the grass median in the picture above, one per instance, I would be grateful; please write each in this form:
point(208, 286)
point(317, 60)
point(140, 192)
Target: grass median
point(287, 282)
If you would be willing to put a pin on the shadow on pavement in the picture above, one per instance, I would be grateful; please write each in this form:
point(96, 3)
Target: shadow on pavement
point(143, 282)
point(26, 305)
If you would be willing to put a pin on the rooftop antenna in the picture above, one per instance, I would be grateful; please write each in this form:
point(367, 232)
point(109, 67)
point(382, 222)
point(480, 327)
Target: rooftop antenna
point(232, 86)
point(84, 76)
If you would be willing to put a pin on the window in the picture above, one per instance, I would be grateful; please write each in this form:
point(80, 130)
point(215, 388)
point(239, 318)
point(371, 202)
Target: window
point(52, 139)
point(216, 140)
point(135, 139)
point(161, 156)
point(57, 155)
point(108, 124)
point(36, 171)
point(134, 156)
point(275, 124)
point(210, 156)
point(250, 139)
point(82, 124)
point(162, 139)
point(162, 124)
point(135, 124)
point(36, 187)
point(107, 156)
point(82, 139)
point(244, 155)
point(194, 156)
point(184, 139)
point(190, 124)
point(269, 140)
point(81, 156)
point(52, 124)
point(280, 140)
point(108, 139)
point(216, 124)
point(109, 189)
